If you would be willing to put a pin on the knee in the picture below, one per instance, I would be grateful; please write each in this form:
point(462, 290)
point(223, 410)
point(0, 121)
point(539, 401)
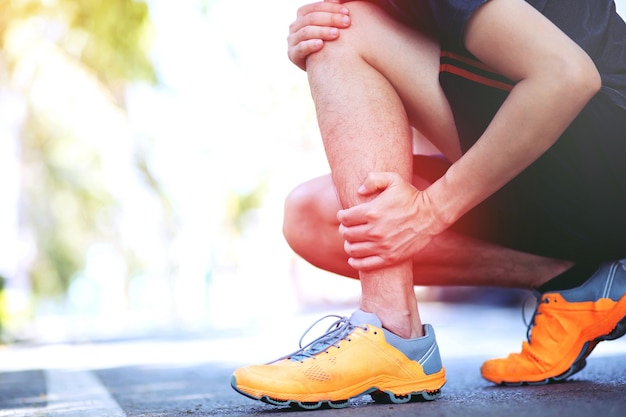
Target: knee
point(299, 213)
point(306, 212)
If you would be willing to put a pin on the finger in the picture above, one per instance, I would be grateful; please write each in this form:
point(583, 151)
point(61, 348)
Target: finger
point(302, 50)
point(318, 24)
point(323, 6)
point(353, 216)
point(338, 19)
point(360, 233)
point(366, 264)
point(309, 33)
point(360, 250)
point(376, 182)
point(334, 17)
point(353, 234)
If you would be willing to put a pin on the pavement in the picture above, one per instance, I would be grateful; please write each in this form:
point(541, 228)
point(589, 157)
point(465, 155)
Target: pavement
point(183, 374)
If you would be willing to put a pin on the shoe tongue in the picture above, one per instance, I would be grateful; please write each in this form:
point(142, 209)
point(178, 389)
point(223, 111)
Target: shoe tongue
point(361, 317)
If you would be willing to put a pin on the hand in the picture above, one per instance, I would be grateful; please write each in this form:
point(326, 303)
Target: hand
point(392, 227)
point(315, 24)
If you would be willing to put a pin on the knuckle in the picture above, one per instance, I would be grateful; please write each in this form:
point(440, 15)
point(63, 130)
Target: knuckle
point(306, 32)
point(373, 216)
point(392, 258)
point(300, 52)
point(293, 27)
point(311, 19)
point(376, 235)
point(303, 10)
point(389, 248)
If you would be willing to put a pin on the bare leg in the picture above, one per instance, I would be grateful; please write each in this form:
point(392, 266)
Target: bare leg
point(451, 259)
point(365, 128)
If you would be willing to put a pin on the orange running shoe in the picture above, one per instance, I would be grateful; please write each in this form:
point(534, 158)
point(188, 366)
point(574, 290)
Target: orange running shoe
point(566, 327)
point(356, 356)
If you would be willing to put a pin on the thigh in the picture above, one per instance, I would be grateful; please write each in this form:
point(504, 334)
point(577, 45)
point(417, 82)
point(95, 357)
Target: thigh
point(571, 202)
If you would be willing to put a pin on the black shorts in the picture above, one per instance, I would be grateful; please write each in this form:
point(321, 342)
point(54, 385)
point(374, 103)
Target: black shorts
point(571, 202)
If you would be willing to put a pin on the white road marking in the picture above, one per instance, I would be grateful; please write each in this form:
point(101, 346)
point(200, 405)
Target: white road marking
point(72, 393)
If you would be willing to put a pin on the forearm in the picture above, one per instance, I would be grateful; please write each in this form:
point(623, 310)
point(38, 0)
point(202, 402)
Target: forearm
point(530, 121)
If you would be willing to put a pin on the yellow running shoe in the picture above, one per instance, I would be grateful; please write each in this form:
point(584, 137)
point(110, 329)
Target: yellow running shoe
point(566, 327)
point(355, 356)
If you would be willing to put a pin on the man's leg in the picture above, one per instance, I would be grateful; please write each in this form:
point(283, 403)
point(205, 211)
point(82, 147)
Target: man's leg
point(367, 85)
point(355, 82)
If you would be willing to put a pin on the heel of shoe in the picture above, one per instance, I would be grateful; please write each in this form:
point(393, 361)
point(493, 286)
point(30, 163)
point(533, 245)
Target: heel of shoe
point(431, 361)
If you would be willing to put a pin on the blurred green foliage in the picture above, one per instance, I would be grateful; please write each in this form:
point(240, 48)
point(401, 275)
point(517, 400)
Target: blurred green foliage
point(116, 49)
point(108, 36)
point(65, 205)
point(63, 202)
point(244, 203)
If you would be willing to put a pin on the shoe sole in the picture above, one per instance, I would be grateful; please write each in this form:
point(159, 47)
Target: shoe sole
point(580, 362)
point(379, 396)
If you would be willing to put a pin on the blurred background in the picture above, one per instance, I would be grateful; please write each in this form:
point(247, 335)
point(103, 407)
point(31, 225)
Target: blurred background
point(146, 148)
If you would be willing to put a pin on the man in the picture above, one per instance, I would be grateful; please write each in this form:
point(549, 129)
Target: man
point(528, 104)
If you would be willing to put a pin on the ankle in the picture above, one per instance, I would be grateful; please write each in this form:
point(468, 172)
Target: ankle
point(573, 277)
point(404, 331)
point(401, 322)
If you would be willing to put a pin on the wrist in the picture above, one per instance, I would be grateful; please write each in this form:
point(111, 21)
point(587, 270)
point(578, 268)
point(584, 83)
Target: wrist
point(444, 205)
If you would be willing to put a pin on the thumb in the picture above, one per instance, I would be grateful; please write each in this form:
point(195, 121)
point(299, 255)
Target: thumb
point(376, 182)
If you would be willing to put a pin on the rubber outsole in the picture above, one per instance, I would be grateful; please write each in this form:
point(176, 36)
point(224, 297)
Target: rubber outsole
point(580, 362)
point(383, 397)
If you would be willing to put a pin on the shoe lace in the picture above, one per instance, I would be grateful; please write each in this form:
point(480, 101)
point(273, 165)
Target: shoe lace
point(530, 324)
point(336, 332)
